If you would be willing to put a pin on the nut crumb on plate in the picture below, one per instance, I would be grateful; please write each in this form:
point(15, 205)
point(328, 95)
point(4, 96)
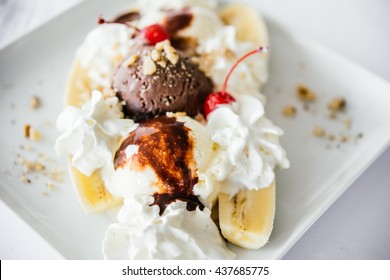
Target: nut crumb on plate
point(337, 104)
point(305, 94)
point(289, 111)
point(318, 132)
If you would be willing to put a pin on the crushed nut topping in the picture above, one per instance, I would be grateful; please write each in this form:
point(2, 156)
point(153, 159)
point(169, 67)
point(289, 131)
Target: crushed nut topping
point(337, 104)
point(289, 111)
point(149, 67)
point(318, 132)
point(131, 60)
point(305, 94)
point(35, 102)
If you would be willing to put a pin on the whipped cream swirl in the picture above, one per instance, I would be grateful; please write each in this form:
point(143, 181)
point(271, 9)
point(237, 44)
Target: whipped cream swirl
point(248, 146)
point(91, 133)
point(177, 234)
point(102, 50)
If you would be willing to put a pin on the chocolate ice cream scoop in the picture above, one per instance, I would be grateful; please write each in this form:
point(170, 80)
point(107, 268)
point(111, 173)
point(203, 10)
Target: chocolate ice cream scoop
point(157, 79)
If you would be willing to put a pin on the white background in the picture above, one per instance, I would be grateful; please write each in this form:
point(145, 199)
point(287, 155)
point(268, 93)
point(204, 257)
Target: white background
point(357, 226)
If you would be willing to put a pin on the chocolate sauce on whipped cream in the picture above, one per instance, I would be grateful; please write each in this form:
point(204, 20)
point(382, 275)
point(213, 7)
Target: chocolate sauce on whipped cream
point(164, 144)
point(177, 20)
point(122, 19)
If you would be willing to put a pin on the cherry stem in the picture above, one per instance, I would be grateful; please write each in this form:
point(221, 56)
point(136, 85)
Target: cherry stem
point(258, 50)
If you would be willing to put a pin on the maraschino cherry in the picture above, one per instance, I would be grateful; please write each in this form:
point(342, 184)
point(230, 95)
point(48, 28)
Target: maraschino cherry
point(215, 99)
point(154, 34)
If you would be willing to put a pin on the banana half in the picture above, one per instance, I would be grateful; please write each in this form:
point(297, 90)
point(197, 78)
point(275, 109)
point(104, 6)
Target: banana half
point(91, 191)
point(246, 219)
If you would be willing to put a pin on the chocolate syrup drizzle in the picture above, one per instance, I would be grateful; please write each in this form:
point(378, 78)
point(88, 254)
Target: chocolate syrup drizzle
point(165, 146)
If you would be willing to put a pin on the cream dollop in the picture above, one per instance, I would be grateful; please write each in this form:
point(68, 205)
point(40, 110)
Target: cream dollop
point(91, 133)
point(177, 234)
point(103, 48)
point(248, 146)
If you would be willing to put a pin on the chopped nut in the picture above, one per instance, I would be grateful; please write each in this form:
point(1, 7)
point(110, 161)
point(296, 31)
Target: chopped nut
point(305, 94)
point(39, 166)
point(160, 45)
point(50, 186)
point(162, 63)
point(130, 61)
point(337, 104)
point(347, 123)
point(35, 102)
point(331, 137)
point(332, 115)
point(35, 135)
point(344, 138)
point(155, 55)
point(149, 67)
point(289, 111)
point(27, 129)
point(318, 132)
point(171, 54)
point(24, 179)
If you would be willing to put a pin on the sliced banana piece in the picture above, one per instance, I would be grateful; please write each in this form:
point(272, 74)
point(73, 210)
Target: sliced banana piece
point(246, 219)
point(248, 22)
point(90, 190)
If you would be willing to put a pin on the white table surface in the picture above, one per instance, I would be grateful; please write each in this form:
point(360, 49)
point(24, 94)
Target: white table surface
point(357, 225)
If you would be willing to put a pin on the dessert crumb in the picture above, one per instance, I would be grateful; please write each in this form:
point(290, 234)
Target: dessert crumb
point(337, 104)
point(305, 94)
point(331, 137)
point(27, 129)
point(23, 178)
point(289, 111)
point(35, 103)
point(319, 132)
point(35, 135)
point(31, 133)
point(50, 186)
point(347, 123)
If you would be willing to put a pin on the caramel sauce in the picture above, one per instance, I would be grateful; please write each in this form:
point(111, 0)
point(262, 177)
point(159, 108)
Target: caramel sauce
point(165, 146)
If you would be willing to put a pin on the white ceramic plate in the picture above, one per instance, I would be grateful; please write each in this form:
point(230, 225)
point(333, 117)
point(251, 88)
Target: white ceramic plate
point(321, 171)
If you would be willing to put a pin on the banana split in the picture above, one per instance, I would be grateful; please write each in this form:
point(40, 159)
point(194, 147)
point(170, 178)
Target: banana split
point(165, 118)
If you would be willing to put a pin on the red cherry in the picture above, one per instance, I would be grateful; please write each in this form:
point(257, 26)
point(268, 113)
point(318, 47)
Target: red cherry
point(154, 33)
point(213, 100)
point(216, 98)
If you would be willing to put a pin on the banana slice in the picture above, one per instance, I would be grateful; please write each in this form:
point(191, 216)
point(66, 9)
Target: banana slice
point(246, 219)
point(249, 24)
point(91, 190)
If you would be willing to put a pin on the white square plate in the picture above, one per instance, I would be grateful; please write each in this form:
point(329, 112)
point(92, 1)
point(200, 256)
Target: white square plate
point(321, 170)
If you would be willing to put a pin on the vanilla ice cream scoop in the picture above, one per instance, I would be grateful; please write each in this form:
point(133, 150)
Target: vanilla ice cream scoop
point(166, 157)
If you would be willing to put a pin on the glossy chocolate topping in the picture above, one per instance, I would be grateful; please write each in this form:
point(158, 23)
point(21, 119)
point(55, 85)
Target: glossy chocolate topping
point(164, 144)
point(176, 21)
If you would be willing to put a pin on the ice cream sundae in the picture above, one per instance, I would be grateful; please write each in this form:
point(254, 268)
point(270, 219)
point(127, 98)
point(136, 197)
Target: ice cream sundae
point(165, 118)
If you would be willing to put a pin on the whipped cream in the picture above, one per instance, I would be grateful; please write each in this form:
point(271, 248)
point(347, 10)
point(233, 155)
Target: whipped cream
point(103, 48)
point(90, 134)
point(177, 234)
point(248, 146)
